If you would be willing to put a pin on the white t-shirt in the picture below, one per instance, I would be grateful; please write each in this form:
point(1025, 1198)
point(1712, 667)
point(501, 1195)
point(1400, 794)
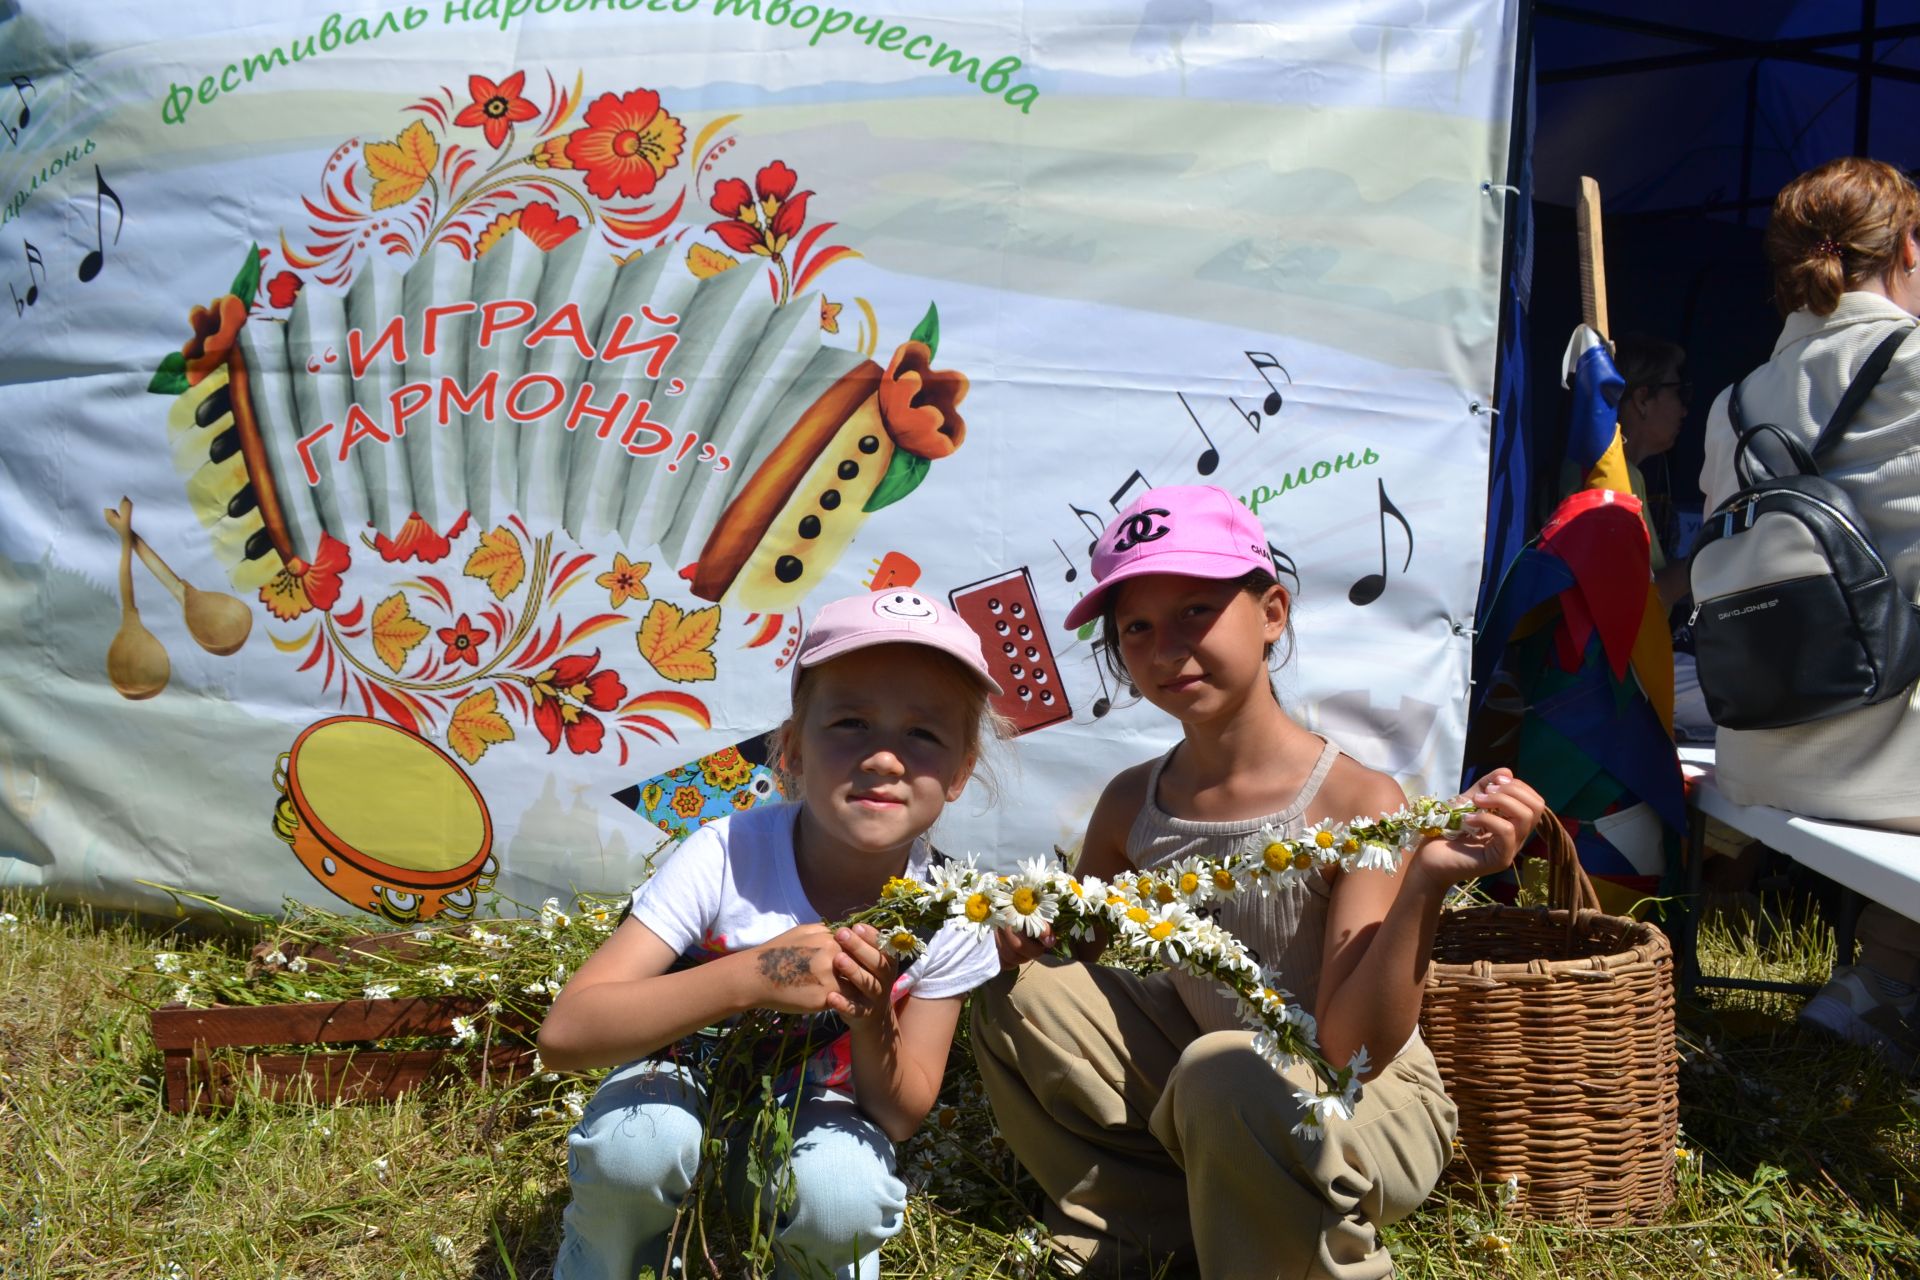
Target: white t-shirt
point(734, 884)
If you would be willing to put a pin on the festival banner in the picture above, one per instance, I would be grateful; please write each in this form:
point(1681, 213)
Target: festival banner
point(429, 427)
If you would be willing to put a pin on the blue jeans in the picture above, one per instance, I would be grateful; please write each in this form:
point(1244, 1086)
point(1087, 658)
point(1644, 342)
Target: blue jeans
point(633, 1156)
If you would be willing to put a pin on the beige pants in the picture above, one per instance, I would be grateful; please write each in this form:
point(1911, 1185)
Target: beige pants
point(1153, 1139)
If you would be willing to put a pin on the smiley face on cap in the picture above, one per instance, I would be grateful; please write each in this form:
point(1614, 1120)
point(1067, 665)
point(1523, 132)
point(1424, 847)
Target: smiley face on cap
point(905, 606)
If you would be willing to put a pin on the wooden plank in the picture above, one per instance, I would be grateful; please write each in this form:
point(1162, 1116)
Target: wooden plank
point(1593, 259)
point(349, 1076)
point(327, 1022)
point(399, 945)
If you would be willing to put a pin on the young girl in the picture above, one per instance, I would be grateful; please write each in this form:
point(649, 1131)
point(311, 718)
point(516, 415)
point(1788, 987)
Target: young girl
point(889, 698)
point(1139, 1104)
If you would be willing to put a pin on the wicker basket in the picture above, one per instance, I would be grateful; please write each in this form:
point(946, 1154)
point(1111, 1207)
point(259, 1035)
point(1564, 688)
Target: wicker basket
point(1553, 1027)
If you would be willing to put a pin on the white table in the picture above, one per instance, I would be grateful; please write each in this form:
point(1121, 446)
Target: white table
point(1867, 863)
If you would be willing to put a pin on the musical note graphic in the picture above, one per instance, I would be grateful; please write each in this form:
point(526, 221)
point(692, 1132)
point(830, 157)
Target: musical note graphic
point(1283, 563)
point(1263, 361)
point(1096, 528)
point(1368, 589)
point(1128, 483)
point(1103, 703)
point(97, 257)
point(34, 260)
point(1211, 457)
point(1072, 572)
point(20, 86)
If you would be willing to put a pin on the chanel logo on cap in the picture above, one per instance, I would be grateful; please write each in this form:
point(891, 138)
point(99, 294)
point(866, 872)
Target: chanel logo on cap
point(1140, 528)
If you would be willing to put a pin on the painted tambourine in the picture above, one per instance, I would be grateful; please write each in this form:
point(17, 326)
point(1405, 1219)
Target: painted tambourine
point(384, 819)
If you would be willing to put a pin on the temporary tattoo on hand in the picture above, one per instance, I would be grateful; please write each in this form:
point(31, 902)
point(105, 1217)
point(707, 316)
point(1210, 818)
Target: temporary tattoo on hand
point(786, 966)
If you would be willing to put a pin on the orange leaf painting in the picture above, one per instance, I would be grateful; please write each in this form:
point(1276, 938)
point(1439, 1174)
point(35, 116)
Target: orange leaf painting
point(401, 167)
point(680, 645)
point(395, 631)
point(476, 725)
point(705, 262)
point(498, 561)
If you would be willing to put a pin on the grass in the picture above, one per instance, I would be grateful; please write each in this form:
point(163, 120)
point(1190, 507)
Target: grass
point(1801, 1156)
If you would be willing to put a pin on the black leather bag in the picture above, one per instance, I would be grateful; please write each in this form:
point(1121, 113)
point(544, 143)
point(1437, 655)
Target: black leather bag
point(1796, 616)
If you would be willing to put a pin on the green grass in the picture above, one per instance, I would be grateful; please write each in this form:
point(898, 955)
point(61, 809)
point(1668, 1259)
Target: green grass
point(1803, 1156)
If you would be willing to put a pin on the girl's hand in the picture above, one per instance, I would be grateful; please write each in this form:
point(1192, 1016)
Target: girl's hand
point(866, 976)
point(795, 972)
point(1017, 947)
point(1505, 810)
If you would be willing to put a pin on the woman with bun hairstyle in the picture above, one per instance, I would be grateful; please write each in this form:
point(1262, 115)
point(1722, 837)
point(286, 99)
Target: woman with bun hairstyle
point(1139, 1103)
point(890, 706)
point(1844, 244)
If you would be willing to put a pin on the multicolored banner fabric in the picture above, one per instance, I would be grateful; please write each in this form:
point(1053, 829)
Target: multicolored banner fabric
point(427, 429)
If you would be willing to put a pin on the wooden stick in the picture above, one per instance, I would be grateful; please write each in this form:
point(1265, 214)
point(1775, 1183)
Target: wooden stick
point(1593, 261)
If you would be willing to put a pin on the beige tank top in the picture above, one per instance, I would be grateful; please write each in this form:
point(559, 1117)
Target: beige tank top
point(1286, 931)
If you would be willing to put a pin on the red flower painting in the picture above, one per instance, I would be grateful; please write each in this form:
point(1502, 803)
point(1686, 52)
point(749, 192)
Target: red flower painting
point(764, 219)
point(496, 108)
point(628, 144)
point(566, 695)
point(463, 641)
point(283, 289)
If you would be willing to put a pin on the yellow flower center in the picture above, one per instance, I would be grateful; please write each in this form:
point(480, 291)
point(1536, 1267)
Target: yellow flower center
point(1146, 887)
point(901, 887)
point(1302, 860)
point(1163, 893)
point(1271, 996)
point(1223, 879)
point(1277, 856)
point(1115, 900)
point(1432, 833)
point(1073, 887)
point(1025, 900)
point(1350, 845)
point(1324, 839)
point(1139, 915)
point(903, 940)
point(1189, 882)
point(1160, 930)
point(979, 907)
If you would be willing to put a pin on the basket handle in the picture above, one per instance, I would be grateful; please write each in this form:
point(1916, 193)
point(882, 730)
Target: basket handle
point(1568, 887)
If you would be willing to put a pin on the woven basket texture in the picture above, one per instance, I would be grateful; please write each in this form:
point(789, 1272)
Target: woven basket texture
point(1554, 1031)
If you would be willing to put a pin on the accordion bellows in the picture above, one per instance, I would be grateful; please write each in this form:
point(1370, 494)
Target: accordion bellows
point(743, 375)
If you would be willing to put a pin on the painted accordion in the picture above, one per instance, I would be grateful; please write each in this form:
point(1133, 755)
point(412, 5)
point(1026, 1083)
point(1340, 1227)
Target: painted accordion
point(471, 380)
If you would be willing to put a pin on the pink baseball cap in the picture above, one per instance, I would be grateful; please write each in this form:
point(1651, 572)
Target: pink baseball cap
point(1195, 530)
point(890, 617)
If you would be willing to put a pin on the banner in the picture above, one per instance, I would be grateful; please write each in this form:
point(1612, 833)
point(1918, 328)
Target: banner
point(429, 427)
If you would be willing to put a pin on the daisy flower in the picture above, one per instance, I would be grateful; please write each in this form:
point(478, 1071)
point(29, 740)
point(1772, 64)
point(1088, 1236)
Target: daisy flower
point(1191, 880)
point(297, 965)
point(1317, 1110)
point(902, 943)
point(379, 991)
point(1167, 935)
point(949, 882)
point(463, 1030)
point(972, 910)
point(166, 961)
point(1374, 856)
point(1028, 898)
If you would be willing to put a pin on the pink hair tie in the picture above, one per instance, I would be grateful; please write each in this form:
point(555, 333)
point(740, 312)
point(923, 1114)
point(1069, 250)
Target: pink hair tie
point(1829, 248)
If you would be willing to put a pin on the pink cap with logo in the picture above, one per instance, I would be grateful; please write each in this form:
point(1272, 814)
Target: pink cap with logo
point(890, 617)
point(1195, 530)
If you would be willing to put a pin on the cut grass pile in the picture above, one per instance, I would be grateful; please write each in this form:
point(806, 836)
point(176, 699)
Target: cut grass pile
point(1800, 1156)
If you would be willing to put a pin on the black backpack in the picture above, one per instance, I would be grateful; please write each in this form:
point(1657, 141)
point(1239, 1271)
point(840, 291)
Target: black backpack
point(1796, 616)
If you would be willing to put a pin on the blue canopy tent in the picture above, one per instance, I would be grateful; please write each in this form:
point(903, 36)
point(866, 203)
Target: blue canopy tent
point(1691, 117)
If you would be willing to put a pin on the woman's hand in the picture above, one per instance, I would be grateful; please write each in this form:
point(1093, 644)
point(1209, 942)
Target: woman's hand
point(1505, 809)
point(866, 975)
point(796, 972)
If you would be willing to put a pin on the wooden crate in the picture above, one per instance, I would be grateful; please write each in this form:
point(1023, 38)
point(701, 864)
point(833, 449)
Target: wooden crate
point(329, 1048)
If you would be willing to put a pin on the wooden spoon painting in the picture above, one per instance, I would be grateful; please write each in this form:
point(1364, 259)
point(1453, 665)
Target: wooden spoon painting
point(218, 622)
point(136, 664)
